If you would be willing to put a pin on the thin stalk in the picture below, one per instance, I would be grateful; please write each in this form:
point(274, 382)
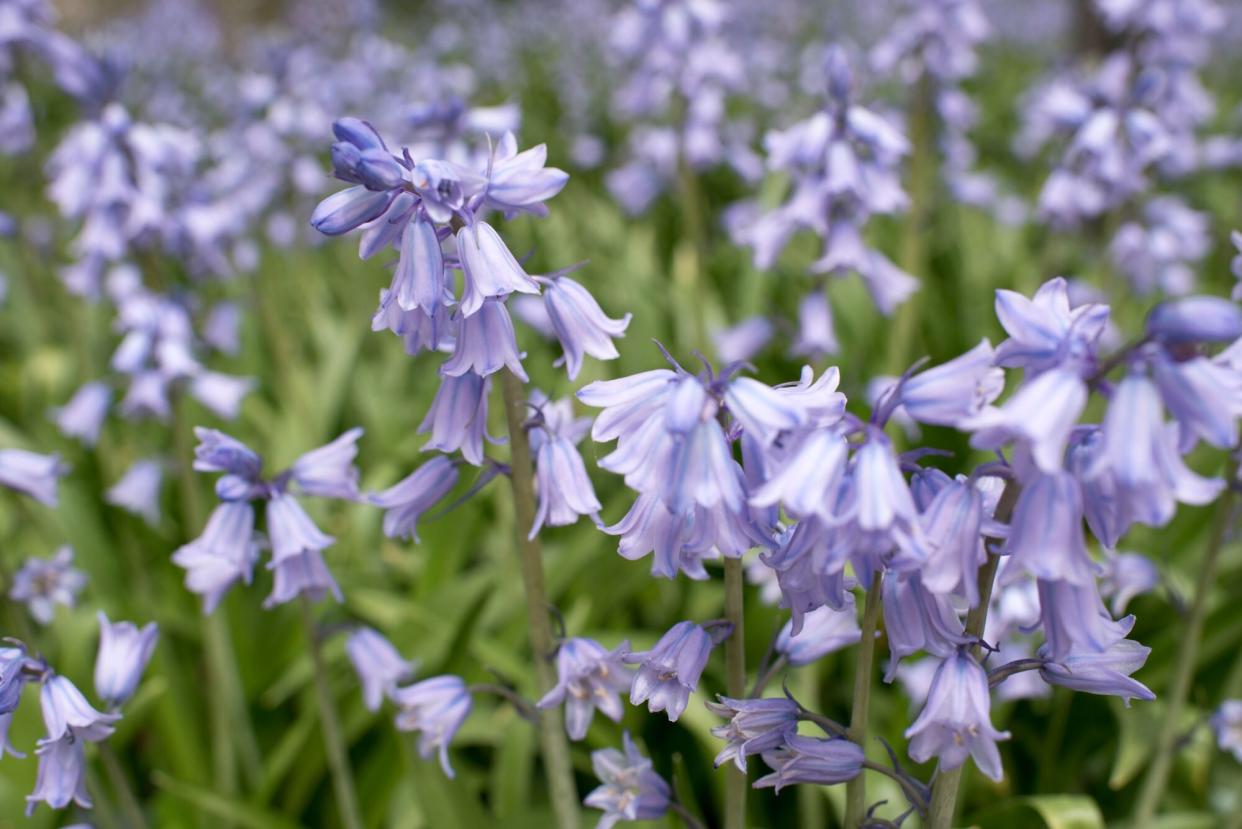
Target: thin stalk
point(687, 816)
point(856, 789)
point(134, 819)
point(333, 740)
point(761, 683)
point(736, 781)
point(552, 739)
point(690, 313)
point(944, 790)
point(912, 794)
point(1184, 670)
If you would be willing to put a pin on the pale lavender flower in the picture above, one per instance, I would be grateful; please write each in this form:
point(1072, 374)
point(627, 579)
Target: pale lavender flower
point(222, 329)
point(457, 418)
point(124, 651)
point(588, 676)
point(44, 583)
point(6, 747)
point(817, 334)
point(67, 713)
point(1125, 576)
point(486, 343)
point(301, 574)
point(224, 554)
point(824, 631)
point(13, 677)
point(378, 664)
point(1195, 319)
point(488, 268)
point(1227, 724)
point(221, 393)
point(952, 523)
point(669, 672)
point(579, 323)
point(561, 480)
point(348, 209)
point(83, 416)
point(1045, 536)
point(743, 341)
point(811, 760)
point(1075, 620)
point(1106, 672)
point(1045, 331)
point(520, 182)
point(956, 720)
point(437, 707)
point(811, 477)
point(329, 471)
point(61, 777)
point(1040, 415)
point(1204, 396)
point(630, 790)
point(918, 620)
point(959, 389)
point(754, 726)
point(884, 511)
point(138, 490)
point(31, 473)
point(406, 501)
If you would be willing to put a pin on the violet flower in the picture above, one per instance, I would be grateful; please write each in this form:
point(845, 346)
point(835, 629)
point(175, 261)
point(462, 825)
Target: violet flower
point(32, 474)
point(811, 760)
point(956, 722)
point(588, 677)
point(669, 672)
point(561, 481)
point(578, 323)
point(378, 664)
point(44, 583)
point(437, 707)
point(406, 501)
point(1227, 724)
point(754, 726)
point(124, 651)
point(824, 630)
point(138, 490)
point(83, 416)
point(630, 789)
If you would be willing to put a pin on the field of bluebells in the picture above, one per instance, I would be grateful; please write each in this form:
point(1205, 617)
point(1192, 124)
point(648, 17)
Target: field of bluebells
point(801, 414)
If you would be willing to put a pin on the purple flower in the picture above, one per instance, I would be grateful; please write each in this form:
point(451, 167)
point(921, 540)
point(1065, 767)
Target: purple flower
point(811, 760)
point(83, 416)
point(223, 554)
point(61, 778)
point(348, 209)
point(564, 489)
point(755, 726)
point(488, 268)
point(437, 707)
point(955, 391)
point(67, 713)
point(918, 620)
point(630, 790)
point(1106, 672)
point(763, 412)
point(457, 418)
point(221, 393)
point(418, 281)
point(124, 651)
point(588, 677)
point(329, 471)
point(1125, 576)
point(817, 333)
point(579, 323)
point(1041, 414)
point(13, 677)
point(6, 747)
point(1075, 621)
point(33, 474)
point(1227, 724)
point(884, 510)
point(519, 182)
point(1044, 332)
point(810, 478)
point(138, 491)
point(217, 452)
point(486, 343)
point(1045, 536)
point(956, 720)
point(669, 672)
point(952, 523)
point(407, 500)
point(378, 664)
point(824, 631)
point(301, 574)
point(44, 583)
point(1196, 319)
point(743, 341)
point(1205, 397)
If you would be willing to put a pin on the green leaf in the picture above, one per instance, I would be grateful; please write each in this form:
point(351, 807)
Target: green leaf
point(217, 805)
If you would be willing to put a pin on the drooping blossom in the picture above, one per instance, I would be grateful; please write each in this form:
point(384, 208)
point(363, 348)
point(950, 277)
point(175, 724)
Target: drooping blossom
point(956, 720)
point(436, 707)
point(379, 666)
point(124, 651)
point(629, 787)
point(43, 583)
point(588, 677)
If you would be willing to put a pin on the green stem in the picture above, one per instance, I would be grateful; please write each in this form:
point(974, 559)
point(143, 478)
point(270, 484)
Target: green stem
point(333, 739)
point(134, 818)
point(736, 781)
point(1183, 672)
point(856, 789)
point(944, 790)
point(552, 737)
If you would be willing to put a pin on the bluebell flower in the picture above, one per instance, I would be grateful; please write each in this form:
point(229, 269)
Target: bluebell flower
point(627, 402)
point(360, 156)
point(817, 333)
point(419, 330)
point(379, 666)
point(67, 713)
point(6, 747)
point(222, 555)
point(824, 630)
point(138, 490)
point(444, 187)
point(884, 514)
point(419, 278)
point(1196, 319)
point(578, 323)
point(561, 482)
point(1204, 396)
point(754, 726)
point(741, 342)
point(811, 477)
point(1125, 576)
point(489, 270)
point(13, 677)
point(1227, 725)
point(44, 583)
point(1041, 415)
point(520, 182)
point(31, 473)
point(1075, 620)
point(630, 788)
point(349, 209)
point(437, 707)
point(918, 620)
point(222, 328)
point(669, 672)
point(1044, 331)
point(588, 676)
point(763, 412)
point(1105, 672)
point(83, 416)
point(485, 344)
point(955, 722)
point(221, 393)
point(811, 760)
point(61, 778)
point(406, 501)
point(217, 452)
point(954, 391)
point(457, 418)
point(301, 574)
point(329, 471)
point(1045, 536)
point(953, 522)
point(124, 651)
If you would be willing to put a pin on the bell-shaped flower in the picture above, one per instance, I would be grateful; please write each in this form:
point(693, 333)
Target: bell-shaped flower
point(1075, 621)
point(222, 394)
point(811, 760)
point(763, 412)
point(419, 278)
point(627, 402)
point(955, 391)
point(6, 747)
point(1044, 332)
point(360, 156)
point(578, 323)
point(520, 182)
point(918, 620)
point(457, 418)
point(1205, 396)
point(952, 523)
point(444, 187)
point(488, 268)
point(407, 500)
point(31, 473)
point(754, 726)
point(43, 583)
point(1195, 319)
point(124, 651)
point(630, 788)
point(561, 480)
point(669, 672)
point(824, 630)
point(1226, 724)
point(1041, 415)
point(217, 452)
point(486, 343)
point(817, 334)
point(1106, 672)
point(138, 490)
point(809, 478)
point(588, 676)
point(301, 574)
point(379, 666)
point(66, 712)
point(437, 707)
point(884, 512)
point(329, 471)
point(61, 778)
point(1045, 535)
point(224, 554)
point(955, 722)
point(83, 416)
point(1125, 576)
point(349, 208)
point(13, 678)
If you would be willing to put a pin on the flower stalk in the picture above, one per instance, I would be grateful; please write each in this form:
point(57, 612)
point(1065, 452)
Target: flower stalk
point(856, 789)
point(553, 742)
point(736, 782)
